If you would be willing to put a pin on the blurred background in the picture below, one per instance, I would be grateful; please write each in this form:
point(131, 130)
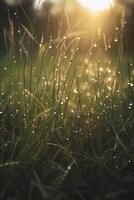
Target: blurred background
point(36, 21)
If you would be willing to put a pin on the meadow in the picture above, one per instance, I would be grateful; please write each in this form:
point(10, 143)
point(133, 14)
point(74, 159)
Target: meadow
point(67, 121)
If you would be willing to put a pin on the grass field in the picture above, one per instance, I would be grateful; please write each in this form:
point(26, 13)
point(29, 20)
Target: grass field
point(67, 122)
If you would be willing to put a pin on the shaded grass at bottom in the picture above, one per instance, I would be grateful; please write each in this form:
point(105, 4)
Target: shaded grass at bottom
point(43, 181)
point(66, 132)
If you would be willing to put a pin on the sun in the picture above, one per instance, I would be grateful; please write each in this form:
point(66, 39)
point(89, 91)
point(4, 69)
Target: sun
point(97, 5)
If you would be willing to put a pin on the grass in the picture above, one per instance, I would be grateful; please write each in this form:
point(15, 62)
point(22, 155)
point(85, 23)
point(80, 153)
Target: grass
point(67, 124)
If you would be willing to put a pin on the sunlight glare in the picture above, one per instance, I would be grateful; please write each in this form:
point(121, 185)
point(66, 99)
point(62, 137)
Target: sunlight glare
point(97, 5)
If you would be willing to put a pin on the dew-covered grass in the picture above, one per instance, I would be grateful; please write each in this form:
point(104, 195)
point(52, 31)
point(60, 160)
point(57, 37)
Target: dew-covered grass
point(67, 123)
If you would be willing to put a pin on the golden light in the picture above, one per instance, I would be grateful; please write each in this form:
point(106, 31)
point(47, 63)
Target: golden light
point(97, 5)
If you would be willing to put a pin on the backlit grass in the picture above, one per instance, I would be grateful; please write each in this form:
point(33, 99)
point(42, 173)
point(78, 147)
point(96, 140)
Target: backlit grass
point(67, 123)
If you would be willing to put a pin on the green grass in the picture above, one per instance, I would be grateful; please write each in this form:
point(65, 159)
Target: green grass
point(67, 123)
